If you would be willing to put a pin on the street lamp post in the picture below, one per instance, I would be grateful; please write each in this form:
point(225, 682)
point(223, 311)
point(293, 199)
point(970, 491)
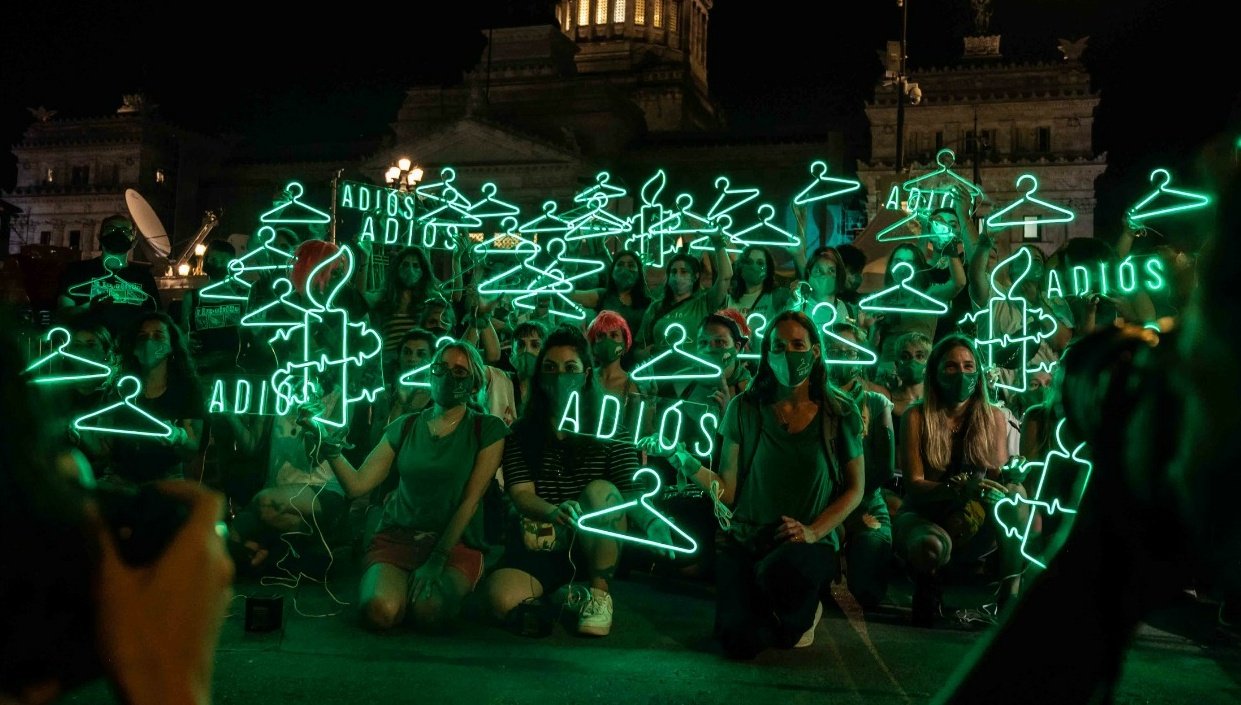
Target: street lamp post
point(900, 91)
point(403, 175)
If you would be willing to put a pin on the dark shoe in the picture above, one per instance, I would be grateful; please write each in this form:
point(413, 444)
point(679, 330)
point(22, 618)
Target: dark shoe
point(928, 602)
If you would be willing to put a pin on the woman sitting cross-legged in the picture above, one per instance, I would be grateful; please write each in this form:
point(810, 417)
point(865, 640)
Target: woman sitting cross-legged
point(553, 477)
point(791, 469)
point(428, 553)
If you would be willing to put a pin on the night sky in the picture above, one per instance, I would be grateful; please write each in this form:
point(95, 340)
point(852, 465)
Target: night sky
point(1160, 64)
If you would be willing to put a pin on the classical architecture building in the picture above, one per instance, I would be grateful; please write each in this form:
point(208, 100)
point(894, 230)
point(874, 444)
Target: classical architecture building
point(1002, 120)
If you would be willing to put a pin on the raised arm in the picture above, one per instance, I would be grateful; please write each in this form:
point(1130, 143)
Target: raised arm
point(373, 471)
point(723, 272)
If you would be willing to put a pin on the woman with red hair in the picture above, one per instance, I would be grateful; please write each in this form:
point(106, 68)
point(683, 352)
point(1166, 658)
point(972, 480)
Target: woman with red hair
point(610, 339)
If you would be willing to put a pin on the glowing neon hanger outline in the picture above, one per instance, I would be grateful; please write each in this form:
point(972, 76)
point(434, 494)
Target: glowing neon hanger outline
point(757, 333)
point(826, 329)
point(641, 500)
point(741, 196)
point(600, 188)
point(868, 303)
point(946, 159)
point(502, 209)
point(103, 371)
point(407, 378)
point(639, 373)
point(790, 240)
point(697, 224)
point(593, 266)
point(704, 244)
point(313, 215)
point(258, 319)
point(1064, 215)
point(447, 192)
point(1060, 450)
point(584, 227)
point(508, 230)
point(130, 292)
point(1191, 200)
point(536, 225)
point(806, 196)
point(127, 403)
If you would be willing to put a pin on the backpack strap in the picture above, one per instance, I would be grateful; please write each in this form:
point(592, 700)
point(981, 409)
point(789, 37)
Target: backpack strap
point(405, 429)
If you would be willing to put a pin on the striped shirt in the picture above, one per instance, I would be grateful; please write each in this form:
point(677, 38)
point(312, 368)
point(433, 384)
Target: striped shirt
point(569, 465)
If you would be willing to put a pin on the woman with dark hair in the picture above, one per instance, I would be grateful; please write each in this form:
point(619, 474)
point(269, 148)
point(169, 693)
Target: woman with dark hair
point(553, 477)
point(683, 301)
point(887, 328)
point(625, 292)
point(415, 349)
point(822, 286)
point(753, 291)
point(430, 549)
point(792, 470)
point(397, 308)
point(156, 353)
point(953, 444)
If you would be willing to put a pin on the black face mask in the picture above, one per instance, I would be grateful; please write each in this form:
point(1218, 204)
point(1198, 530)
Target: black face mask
point(115, 242)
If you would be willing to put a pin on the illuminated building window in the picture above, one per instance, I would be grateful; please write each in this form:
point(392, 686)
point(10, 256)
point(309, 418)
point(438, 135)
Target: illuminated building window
point(1031, 231)
point(658, 19)
point(160, 177)
point(639, 11)
point(618, 11)
point(673, 10)
point(601, 11)
point(583, 12)
point(50, 176)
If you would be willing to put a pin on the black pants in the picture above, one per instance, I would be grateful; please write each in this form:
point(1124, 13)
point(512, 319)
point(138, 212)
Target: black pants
point(768, 599)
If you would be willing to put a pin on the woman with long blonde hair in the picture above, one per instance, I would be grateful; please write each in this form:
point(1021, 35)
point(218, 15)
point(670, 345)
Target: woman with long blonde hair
point(953, 444)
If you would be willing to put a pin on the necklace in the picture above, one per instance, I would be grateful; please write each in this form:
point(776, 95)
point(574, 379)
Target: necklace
point(445, 430)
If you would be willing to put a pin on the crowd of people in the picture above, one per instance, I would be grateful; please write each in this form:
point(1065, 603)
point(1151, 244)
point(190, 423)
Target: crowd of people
point(859, 435)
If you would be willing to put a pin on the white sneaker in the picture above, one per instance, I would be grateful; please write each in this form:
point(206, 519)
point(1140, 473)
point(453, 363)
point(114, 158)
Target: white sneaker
point(596, 618)
point(808, 638)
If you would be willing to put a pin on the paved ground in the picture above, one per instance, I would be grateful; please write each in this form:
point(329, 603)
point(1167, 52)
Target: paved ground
point(658, 654)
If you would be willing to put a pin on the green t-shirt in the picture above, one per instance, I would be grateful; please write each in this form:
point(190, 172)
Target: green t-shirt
point(789, 475)
point(434, 472)
point(689, 313)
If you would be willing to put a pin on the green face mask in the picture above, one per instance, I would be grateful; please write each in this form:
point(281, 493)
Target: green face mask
point(523, 362)
point(791, 367)
point(606, 351)
point(624, 278)
point(957, 386)
point(911, 372)
point(753, 274)
point(448, 391)
point(558, 387)
point(842, 374)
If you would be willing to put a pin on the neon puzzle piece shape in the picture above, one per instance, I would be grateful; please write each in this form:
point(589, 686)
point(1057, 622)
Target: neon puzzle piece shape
point(86, 368)
point(764, 233)
point(601, 188)
point(151, 427)
point(583, 522)
point(699, 367)
point(1051, 212)
point(730, 199)
point(1177, 200)
point(293, 211)
point(994, 339)
point(869, 358)
point(1058, 453)
point(823, 187)
point(878, 300)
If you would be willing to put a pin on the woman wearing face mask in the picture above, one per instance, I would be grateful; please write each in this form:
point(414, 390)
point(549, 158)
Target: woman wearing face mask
point(683, 301)
point(409, 283)
point(791, 470)
point(719, 340)
point(819, 290)
point(868, 530)
point(413, 351)
point(610, 339)
point(952, 445)
point(553, 477)
point(904, 386)
point(429, 551)
point(753, 283)
point(89, 339)
point(155, 352)
point(625, 292)
point(523, 355)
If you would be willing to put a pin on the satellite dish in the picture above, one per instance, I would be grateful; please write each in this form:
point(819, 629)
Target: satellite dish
point(148, 224)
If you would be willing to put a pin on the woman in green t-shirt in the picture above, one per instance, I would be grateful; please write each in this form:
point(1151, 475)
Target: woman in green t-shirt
point(791, 470)
point(427, 555)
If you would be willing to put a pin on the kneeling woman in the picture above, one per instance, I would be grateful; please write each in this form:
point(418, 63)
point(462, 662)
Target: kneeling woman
point(554, 477)
point(791, 468)
point(428, 551)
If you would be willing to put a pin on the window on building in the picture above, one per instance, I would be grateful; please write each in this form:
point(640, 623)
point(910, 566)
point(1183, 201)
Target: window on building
point(639, 11)
point(618, 10)
point(79, 175)
point(75, 239)
point(673, 11)
point(1042, 141)
point(658, 19)
point(45, 237)
point(939, 140)
point(1031, 231)
point(601, 11)
point(583, 13)
point(50, 175)
point(160, 176)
